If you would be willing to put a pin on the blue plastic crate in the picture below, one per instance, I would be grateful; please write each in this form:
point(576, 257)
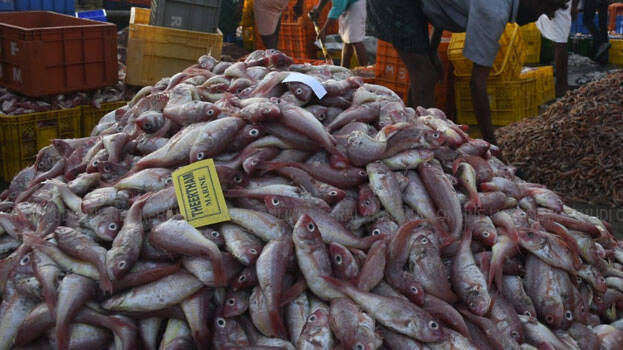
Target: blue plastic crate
point(67, 7)
point(619, 25)
point(95, 15)
point(7, 5)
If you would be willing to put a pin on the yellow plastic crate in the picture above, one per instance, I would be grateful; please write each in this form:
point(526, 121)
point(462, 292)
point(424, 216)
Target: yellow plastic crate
point(155, 52)
point(139, 15)
point(507, 64)
point(615, 55)
point(25, 134)
point(531, 37)
point(510, 101)
point(91, 115)
point(545, 84)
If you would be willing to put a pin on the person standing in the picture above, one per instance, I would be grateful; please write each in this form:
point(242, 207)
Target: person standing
point(404, 24)
point(351, 17)
point(600, 35)
point(557, 30)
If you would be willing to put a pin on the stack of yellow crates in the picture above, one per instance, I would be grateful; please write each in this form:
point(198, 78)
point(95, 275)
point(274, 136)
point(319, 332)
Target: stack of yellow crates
point(511, 98)
point(531, 37)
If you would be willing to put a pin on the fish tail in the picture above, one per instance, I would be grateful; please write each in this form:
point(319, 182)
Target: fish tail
point(62, 336)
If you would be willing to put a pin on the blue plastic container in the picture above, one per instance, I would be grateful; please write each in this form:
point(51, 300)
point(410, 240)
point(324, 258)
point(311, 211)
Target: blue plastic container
point(67, 7)
point(7, 5)
point(619, 25)
point(95, 15)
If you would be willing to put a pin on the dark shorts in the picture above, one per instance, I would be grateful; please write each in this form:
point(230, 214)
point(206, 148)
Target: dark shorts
point(399, 22)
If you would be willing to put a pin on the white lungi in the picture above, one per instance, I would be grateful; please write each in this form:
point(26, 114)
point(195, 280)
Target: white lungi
point(353, 23)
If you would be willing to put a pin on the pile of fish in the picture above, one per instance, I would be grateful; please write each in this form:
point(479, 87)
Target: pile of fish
point(12, 103)
point(356, 223)
point(574, 147)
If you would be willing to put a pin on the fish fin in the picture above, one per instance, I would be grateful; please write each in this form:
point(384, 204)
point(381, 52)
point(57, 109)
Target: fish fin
point(293, 292)
point(271, 166)
point(236, 193)
point(33, 241)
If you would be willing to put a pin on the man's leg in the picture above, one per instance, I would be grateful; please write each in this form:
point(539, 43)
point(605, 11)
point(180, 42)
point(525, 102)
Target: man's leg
point(347, 54)
point(603, 44)
point(561, 57)
point(362, 55)
point(588, 19)
point(423, 78)
point(271, 41)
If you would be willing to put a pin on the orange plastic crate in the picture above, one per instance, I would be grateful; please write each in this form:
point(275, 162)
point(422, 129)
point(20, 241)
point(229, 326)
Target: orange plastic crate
point(68, 53)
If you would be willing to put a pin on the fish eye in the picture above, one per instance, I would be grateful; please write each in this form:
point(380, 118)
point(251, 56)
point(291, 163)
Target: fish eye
point(569, 315)
point(362, 173)
point(424, 240)
point(275, 201)
point(254, 132)
point(122, 264)
point(312, 318)
point(515, 334)
point(367, 202)
point(598, 299)
point(472, 304)
point(376, 232)
point(25, 260)
point(528, 313)
point(311, 227)
point(322, 117)
point(220, 322)
point(112, 226)
point(435, 135)
point(298, 91)
point(578, 279)
point(414, 290)
point(147, 126)
point(168, 181)
point(200, 155)
point(522, 214)
point(120, 128)
point(106, 169)
point(210, 112)
point(358, 346)
point(338, 259)
point(237, 179)
point(549, 319)
point(486, 234)
point(242, 278)
point(433, 325)
point(266, 110)
point(95, 163)
point(215, 234)
point(333, 193)
point(253, 251)
point(231, 301)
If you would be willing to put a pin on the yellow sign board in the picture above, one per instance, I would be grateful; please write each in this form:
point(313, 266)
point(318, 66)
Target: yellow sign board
point(199, 194)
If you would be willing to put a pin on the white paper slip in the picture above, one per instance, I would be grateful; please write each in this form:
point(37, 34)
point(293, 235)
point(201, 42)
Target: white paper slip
point(310, 81)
